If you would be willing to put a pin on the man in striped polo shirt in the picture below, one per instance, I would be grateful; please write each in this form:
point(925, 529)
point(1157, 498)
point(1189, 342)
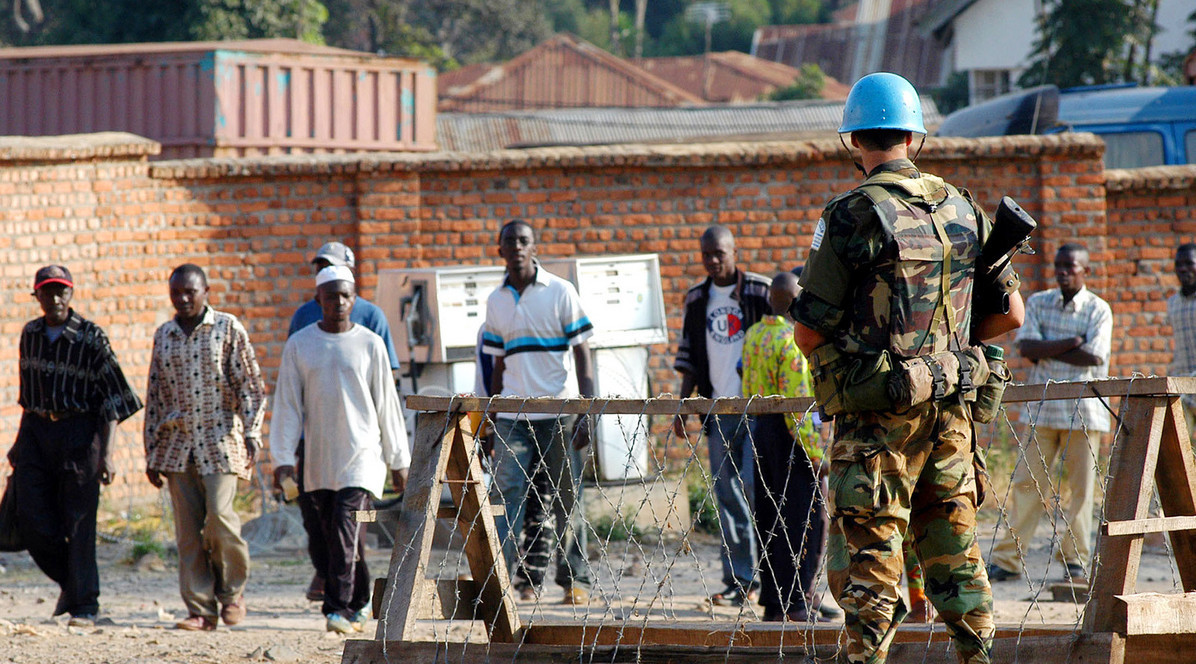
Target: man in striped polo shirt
point(536, 330)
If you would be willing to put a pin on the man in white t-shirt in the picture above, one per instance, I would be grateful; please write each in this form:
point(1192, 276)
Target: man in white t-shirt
point(336, 392)
point(536, 331)
point(718, 312)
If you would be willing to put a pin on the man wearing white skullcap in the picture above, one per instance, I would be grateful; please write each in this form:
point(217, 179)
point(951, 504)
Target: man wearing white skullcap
point(335, 391)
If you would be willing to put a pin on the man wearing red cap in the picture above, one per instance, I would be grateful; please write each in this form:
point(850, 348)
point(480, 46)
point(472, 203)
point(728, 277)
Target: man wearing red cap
point(73, 393)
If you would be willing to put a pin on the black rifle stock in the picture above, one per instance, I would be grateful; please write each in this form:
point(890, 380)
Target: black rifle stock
point(995, 279)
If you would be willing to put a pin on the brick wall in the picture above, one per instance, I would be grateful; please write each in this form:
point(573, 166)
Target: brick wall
point(121, 224)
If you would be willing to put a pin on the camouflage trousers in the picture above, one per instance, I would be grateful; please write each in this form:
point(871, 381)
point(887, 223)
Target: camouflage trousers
point(909, 475)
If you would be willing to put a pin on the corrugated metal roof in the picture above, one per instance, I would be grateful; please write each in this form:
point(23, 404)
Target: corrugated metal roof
point(872, 35)
point(292, 46)
point(563, 72)
point(730, 76)
point(480, 132)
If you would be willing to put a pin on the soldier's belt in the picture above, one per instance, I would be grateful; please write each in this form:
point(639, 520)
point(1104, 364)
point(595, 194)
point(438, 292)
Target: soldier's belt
point(846, 383)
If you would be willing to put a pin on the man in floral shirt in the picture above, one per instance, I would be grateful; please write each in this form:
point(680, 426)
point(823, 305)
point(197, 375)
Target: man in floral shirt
point(790, 510)
point(203, 417)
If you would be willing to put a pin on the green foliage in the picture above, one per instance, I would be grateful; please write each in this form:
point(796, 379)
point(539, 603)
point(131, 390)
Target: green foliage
point(808, 85)
point(1079, 42)
point(144, 545)
point(701, 504)
point(119, 21)
point(952, 96)
point(622, 529)
point(683, 36)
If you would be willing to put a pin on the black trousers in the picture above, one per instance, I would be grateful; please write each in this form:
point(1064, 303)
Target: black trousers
point(317, 549)
point(56, 474)
point(346, 576)
point(791, 517)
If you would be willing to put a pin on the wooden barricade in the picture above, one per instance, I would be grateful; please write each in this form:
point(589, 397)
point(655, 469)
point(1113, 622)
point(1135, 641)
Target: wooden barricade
point(1151, 450)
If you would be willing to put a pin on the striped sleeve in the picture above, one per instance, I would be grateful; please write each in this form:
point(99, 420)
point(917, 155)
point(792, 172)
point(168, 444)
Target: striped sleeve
point(574, 322)
point(493, 342)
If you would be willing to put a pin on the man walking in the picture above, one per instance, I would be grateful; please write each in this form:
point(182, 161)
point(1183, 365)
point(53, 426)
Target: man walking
point(890, 279)
point(790, 473)
point(718, 312)
point(205, 402)
point(364, 313)
point(536, 331)
point(73, 393)
point(336, 393)
point(1181, 315)
point(1067, 335)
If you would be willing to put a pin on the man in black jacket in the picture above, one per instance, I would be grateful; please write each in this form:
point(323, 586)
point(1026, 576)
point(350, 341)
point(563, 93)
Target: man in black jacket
point(718, 312)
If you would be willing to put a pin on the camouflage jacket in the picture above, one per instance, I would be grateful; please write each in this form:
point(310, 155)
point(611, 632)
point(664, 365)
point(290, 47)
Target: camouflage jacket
point(874, 279)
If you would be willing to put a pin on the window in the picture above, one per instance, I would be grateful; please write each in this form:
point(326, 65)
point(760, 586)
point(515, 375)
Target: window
point(1134, 149)
point(989, 83)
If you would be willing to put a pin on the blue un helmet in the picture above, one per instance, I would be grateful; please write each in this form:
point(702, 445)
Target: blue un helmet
point(882, 101)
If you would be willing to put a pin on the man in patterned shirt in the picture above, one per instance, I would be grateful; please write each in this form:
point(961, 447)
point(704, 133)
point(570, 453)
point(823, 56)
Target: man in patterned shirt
point(1181, 315)
point(73, 393)
point(205, 401)
point(1067, 335)
point(790, 509)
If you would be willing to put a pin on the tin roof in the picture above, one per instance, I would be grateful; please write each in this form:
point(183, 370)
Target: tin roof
point(731, 76)
point(263, 46)
point(563, 72)
point(866, 37)
point(481, 132)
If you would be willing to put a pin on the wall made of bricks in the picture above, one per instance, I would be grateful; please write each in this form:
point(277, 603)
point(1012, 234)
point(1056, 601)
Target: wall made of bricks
point(121, 224)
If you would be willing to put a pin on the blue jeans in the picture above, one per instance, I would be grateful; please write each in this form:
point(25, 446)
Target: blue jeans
point(520, 447)
point(733, 468)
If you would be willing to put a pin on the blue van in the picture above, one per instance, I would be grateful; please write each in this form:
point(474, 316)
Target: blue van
point(1140, 126)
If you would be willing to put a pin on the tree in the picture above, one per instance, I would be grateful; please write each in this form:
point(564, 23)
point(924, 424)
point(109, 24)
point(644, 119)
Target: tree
point(119, 21)
point(1079, 42)
point(808, 85)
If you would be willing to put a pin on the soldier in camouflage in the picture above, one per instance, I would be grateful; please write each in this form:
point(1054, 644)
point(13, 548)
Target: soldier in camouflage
point(889, 278)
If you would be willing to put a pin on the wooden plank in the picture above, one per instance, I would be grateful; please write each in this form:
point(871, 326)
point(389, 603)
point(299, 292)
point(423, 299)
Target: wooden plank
point(496, 604)
point(1069, 649)
point(1155, 613)
point(1132, 469)
point(392, 516)
point(401, 606)
point(666, 405)
point(1157, 525)
point(723, 634)
point(1176, 479)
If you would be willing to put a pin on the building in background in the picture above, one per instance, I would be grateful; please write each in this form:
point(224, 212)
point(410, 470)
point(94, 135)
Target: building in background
point(219, 99)
point(863, 37)
point(732, 77)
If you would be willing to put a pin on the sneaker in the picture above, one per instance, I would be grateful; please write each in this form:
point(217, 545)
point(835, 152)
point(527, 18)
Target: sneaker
point(736, 595)
point(576, 595)
point(999, 574)
point(1075, 574)
point(827, 610)
point(335, 622)
point(233, 613)
point(315, 589)
point(360, 618)
point(197, 624)
point(82, 620)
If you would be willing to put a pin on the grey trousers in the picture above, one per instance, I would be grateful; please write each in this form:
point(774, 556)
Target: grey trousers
point(213, 558)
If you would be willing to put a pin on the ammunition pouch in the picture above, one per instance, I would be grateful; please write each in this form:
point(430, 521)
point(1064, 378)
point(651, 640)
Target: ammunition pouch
point(850, 383)
point(989, 395)
point(920, 379)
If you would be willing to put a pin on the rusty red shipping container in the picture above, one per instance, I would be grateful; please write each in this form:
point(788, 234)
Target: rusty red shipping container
point(201, 99)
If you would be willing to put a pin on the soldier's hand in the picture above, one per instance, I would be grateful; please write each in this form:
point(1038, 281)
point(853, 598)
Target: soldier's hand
point(154, 478)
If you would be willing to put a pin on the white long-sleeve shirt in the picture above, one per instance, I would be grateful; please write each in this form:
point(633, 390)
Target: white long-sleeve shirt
point(337, 393)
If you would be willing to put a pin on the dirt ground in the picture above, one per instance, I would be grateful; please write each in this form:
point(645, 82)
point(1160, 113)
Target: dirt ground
point(140, 604)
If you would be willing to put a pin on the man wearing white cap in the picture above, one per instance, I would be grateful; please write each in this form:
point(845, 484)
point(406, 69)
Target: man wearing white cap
point(335, 392)
point(364, 313)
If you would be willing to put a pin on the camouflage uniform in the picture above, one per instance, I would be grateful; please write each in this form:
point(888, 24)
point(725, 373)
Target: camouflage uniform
point(874, 284)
